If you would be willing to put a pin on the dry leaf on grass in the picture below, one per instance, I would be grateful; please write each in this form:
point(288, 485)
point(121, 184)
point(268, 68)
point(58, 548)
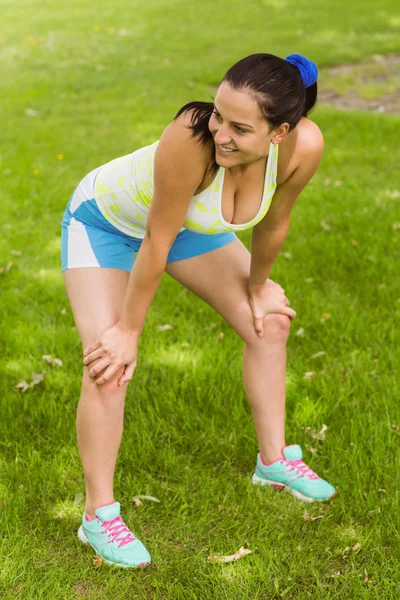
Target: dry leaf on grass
point(308, 374)
point(317, 435)
point(23, 385)
point(232, 558)
point(306, 517)
point(318, 354)
point(97, 561)
point(325, 317)
point(136, 502)
point(7, 268)
point(356, 547)
point(164, 327)
point(150, 498)
point(52, 361)
point(366, 575)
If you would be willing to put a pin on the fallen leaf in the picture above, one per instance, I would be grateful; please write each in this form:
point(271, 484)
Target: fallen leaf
point(232, 558)
point(137, 502)
point(63, 311)
point(52, 361)
point(307, 517)
point(309, 280)
point(31, 112)
point(287, 255)
point(309, 375)
point(325, 226)
point(366, 575)
point(312, 450)
point(21, 385)
point(337, 183)
point(320, 435)
point(220, 336)
point(396, 226)
point(150, 498)
point(97, 561)
point(325, 317)
point(16, 252)
point(356, 547)
point(382, 490)
point(164, 327)
point(300, 331)
point(318, 354)
point(7, 268)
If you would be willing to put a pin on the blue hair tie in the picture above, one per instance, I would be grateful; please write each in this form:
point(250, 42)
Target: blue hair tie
point(308, 69)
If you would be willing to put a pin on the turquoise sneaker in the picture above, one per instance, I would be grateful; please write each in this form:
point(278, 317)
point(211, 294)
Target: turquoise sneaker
point(291, 473)
point(112, 540)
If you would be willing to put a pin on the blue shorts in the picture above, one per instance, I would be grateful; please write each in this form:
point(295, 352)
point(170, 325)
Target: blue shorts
point(89, 240)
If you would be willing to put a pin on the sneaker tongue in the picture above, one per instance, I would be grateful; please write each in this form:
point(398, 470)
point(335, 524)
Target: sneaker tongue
point(106, 513)
point(292, 452)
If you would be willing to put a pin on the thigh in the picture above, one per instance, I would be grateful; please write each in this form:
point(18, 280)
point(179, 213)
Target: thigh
point(96, 296)
point(220, 278)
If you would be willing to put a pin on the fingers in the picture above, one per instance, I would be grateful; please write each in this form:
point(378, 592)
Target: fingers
point(89, 358)
point(108, 374)
point(128, 373)
point(91, 348)
point(99, 366)
point(259, 326)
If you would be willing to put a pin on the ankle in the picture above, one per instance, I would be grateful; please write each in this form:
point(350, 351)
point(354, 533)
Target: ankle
point(270, 455)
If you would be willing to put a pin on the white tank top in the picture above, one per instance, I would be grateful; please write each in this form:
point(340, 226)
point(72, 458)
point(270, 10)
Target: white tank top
point(124, 187)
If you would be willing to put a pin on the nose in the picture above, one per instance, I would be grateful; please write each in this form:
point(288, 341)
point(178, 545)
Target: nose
point(222, 136)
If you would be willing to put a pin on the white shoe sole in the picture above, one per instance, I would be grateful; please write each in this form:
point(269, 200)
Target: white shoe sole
point(84, 540)
point(258, 481)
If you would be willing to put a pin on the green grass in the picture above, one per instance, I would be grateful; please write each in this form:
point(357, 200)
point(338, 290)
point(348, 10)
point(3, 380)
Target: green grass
point(104, 80)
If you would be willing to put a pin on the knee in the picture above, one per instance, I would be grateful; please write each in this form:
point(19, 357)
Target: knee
point(109, 392)
point(276, 330)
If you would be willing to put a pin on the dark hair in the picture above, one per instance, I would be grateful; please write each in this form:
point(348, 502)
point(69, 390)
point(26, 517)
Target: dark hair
point(276, 85)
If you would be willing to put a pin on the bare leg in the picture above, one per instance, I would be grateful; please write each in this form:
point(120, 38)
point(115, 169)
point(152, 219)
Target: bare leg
point(220, 278)
point(96, 296)
point(99, 425)
point(264, 380)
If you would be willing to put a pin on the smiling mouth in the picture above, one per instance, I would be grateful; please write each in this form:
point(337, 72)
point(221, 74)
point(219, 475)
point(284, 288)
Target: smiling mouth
point(226, 150)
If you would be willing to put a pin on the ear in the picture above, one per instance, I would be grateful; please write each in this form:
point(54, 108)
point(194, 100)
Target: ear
point(280, 132)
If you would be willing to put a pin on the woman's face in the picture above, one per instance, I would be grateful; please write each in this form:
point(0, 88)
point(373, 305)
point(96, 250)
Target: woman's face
point(237, 124)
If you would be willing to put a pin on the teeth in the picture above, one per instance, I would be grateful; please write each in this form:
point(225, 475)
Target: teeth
point(226, 149)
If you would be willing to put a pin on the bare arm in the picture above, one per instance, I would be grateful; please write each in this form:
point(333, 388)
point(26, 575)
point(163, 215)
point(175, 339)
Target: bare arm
point(269, 235)
point(179, 168)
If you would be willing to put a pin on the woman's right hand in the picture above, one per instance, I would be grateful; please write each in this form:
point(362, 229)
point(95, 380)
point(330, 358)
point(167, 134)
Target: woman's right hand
point(266, 299)
point(114, 349)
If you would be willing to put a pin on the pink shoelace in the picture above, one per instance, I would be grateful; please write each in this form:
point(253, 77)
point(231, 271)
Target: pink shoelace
point(299, 465)
point(114, 528)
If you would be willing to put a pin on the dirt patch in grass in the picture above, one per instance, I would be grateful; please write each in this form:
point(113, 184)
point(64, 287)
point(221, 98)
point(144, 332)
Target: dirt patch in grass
point(372, 84)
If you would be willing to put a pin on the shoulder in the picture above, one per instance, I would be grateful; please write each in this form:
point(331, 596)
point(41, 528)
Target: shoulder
point(301, 153)
point(310, 138)
point(177, 141)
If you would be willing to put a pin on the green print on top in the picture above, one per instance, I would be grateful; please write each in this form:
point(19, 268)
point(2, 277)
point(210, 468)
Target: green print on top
point(124, 190)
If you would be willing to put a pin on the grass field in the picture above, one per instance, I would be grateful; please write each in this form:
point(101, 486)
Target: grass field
point(83, 83)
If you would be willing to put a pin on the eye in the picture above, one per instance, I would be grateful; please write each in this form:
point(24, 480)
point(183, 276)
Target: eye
point(237, 128)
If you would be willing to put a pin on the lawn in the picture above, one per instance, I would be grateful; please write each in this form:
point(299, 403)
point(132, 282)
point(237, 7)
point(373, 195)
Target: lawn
point(83, 83)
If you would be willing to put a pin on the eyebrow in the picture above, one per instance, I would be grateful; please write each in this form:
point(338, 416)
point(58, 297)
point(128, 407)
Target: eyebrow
point(235, 122)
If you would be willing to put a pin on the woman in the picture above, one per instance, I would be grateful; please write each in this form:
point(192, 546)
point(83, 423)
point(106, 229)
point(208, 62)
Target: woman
point(214, 171)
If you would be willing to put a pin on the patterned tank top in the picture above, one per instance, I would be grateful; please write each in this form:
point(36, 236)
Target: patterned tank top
point(124, 187)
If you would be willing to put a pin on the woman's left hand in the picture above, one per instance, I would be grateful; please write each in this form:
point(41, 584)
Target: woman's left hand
point(265, 299)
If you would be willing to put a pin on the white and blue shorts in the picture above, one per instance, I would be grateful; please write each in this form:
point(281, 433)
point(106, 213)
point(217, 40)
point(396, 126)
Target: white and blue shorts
point(89, 240)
